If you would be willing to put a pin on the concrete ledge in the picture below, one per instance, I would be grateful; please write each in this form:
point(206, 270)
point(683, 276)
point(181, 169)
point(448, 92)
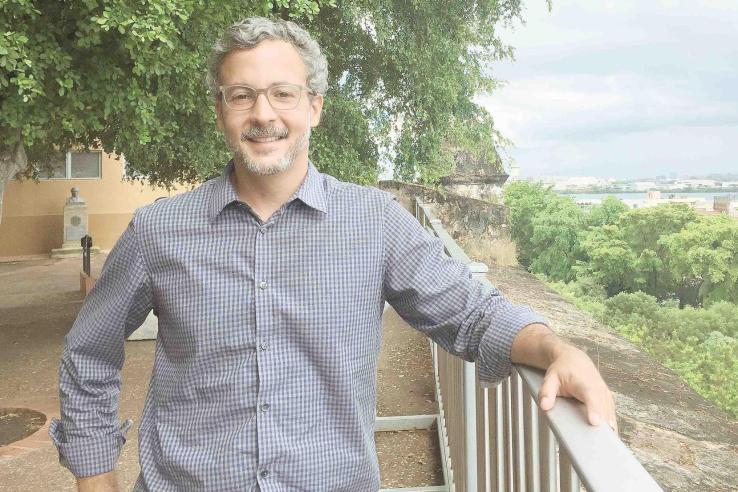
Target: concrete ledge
point(404, 423)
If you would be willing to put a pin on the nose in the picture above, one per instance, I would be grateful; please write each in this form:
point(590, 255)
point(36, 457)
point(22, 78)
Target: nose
point(262, 112)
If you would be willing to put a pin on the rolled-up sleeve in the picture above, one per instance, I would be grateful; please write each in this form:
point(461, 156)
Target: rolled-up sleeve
point(89, 436)
point(437, 295)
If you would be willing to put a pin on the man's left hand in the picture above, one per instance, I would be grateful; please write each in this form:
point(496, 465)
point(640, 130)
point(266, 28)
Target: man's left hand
point(573, 374)
point(569, 372)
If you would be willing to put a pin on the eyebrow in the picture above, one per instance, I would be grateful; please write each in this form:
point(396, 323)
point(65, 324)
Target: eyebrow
point(279, 82)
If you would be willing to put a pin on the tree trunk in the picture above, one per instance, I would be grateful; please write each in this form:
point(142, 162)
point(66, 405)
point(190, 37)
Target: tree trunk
point(12, 159)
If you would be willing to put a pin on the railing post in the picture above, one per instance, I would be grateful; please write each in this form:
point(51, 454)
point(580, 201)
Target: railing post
point(470, 422)
point(470, 404)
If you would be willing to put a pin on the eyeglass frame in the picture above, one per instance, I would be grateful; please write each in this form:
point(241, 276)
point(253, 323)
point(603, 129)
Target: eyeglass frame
point(265, 91)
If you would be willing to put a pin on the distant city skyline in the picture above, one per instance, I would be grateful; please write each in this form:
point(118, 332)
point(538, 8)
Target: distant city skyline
point(621, 89)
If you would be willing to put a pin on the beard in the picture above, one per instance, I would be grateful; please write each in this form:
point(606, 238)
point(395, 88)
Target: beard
point(262, 166)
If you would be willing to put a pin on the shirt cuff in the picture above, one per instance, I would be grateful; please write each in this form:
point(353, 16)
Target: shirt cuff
point(498, 340)
point(88, 456)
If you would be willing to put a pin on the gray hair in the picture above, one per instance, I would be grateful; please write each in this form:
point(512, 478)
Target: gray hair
point(248, 33)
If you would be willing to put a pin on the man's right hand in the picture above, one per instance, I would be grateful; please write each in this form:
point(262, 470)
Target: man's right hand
point(105, 482)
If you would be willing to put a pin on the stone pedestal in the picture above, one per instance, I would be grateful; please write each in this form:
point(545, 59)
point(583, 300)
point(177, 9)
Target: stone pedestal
point(148, 330)
point(75, 228)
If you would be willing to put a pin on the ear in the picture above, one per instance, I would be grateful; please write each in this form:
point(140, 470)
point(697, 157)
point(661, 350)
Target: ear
point(316, 105)
point(219, 113)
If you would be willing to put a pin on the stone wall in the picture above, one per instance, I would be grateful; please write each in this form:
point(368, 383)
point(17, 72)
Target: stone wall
point(482, 191)
point(461, 215)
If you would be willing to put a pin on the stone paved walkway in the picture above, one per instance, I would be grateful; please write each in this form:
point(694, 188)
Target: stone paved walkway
point(39, 300)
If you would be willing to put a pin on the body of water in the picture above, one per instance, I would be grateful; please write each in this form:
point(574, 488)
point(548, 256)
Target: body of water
point(641, 195)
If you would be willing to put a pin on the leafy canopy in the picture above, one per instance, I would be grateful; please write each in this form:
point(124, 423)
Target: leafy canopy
point(667, 251)
point(129, 75)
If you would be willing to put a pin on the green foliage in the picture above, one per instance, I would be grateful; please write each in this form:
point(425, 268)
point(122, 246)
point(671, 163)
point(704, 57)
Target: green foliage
point(606, 213)
point(701, 345)
point(609, 259)
point(643, 227)
point(129, 75)
point(665, 251)
point(703, 258)
point(645, 273)
point(698, 344)
point(555, 240)
point(524, 202)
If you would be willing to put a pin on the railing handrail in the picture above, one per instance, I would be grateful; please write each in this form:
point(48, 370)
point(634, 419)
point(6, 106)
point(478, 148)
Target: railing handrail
point(593, 450)
point(601, 460)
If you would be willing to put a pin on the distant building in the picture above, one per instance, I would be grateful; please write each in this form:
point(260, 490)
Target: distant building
point(654, 199)
point(644, 185)
point(578, 183)
point(32, 216)
point(696, 183)
point(727, 204)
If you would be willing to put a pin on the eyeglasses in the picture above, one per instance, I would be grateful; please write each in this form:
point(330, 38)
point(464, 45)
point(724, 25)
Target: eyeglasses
point(281, 96)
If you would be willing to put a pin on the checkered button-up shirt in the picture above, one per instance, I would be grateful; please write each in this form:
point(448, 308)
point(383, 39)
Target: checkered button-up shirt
point(265, 368)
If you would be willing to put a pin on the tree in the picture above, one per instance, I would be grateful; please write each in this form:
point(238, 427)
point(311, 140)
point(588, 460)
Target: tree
point(524, 202)
point(129, 76)
point(643, 227)
point(703, 258)
point(606, 213)
point(609, 259)
point(555, 240)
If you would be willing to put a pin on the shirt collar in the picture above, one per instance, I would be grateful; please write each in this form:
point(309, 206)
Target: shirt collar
point(311, 192)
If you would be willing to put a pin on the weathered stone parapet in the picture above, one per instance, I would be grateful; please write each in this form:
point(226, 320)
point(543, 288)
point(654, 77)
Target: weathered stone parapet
point(461, 215)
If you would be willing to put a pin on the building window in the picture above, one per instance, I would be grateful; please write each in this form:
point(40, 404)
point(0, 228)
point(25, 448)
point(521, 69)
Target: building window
point(75, 165)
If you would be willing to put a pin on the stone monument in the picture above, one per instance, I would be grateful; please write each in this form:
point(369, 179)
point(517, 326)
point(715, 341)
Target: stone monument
point(75, 227)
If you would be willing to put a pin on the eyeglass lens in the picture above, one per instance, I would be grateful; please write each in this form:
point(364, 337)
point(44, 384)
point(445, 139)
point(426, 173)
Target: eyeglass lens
point(279, 96)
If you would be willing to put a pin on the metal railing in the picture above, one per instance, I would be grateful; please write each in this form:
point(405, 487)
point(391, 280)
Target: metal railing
point(498, 439)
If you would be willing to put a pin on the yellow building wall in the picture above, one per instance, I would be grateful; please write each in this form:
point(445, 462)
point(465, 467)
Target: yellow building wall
point(32, 217)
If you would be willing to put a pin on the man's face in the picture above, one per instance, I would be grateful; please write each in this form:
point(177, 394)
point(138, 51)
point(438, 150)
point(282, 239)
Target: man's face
point(265, 140)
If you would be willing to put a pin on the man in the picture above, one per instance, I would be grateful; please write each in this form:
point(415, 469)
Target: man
point(269, 283)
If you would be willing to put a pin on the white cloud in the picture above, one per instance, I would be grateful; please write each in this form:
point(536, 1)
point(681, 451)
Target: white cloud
point(637, 80)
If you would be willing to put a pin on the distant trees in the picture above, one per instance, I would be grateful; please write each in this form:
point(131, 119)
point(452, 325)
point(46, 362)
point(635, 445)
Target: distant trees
point(664, 277)
point(667, 251)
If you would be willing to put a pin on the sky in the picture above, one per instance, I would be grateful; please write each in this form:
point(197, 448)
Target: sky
point(621, 89)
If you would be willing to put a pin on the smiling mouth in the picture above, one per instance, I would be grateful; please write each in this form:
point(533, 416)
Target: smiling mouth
point(264, 139)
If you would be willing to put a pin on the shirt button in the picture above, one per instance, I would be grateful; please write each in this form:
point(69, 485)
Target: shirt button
point(262, 285)
point(264, 473)
point(263, 345)
point(264, 407)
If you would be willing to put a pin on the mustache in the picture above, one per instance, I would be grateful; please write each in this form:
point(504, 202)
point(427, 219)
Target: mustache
point(263, 131)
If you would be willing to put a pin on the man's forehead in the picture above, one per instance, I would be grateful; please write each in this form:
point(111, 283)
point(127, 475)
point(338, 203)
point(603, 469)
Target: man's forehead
point(271, 61)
